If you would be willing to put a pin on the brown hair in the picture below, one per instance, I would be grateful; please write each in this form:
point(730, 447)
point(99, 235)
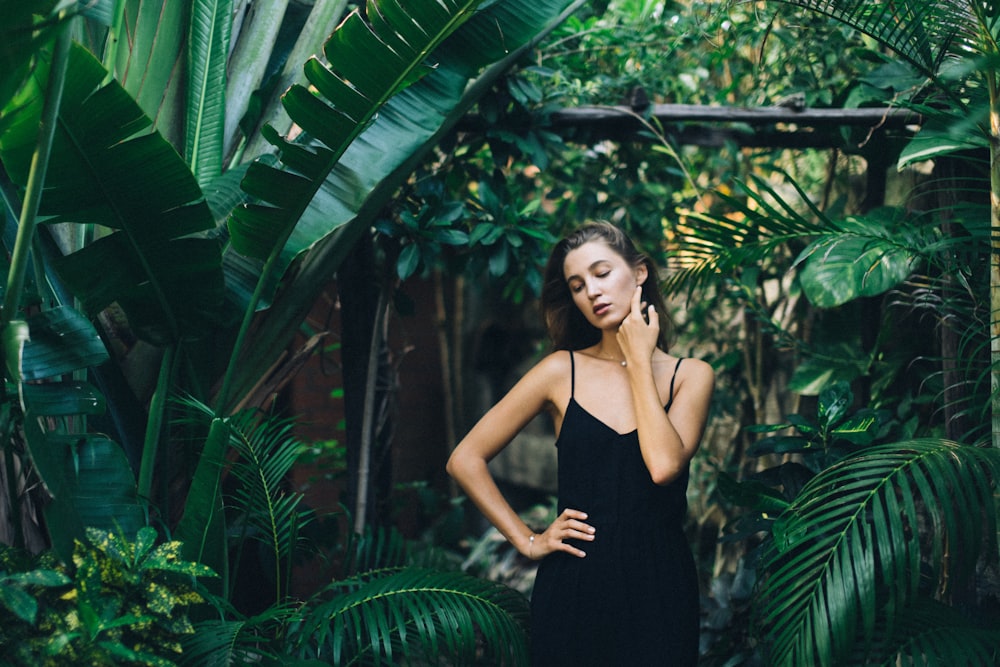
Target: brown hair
point(567, 327)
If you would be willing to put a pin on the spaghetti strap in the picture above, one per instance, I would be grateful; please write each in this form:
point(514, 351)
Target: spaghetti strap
point(572, 375)
point(673, 377)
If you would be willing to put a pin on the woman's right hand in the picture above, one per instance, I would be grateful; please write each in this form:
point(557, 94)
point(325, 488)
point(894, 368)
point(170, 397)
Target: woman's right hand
point(570, 525)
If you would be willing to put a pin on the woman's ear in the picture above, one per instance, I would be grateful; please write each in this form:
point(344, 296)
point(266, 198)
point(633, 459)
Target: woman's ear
point(641, 273)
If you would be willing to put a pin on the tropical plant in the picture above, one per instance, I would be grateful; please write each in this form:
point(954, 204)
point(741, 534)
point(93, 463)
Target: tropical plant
point(120, 602)
point(860, 526)
point(166, 324)
point(862, 536)
point(157, 269)
point(948, 49)
point(865, 543)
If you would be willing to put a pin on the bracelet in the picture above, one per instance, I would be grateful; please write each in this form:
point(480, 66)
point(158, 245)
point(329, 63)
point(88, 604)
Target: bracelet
point(531, 546)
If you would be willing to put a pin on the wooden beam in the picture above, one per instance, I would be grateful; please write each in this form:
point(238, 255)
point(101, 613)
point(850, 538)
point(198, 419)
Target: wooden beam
point(686, 113)
point(713, 126)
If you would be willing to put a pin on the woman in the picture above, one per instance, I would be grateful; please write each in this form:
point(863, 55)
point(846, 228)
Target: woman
point(617, 583)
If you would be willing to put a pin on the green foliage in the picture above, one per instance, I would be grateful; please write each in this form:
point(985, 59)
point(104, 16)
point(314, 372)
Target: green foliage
point(168, 282)
point(869, 536)
point(863, 536)
point(121, 602)
point(417, 614)
point(826, 439)
point(490, 235)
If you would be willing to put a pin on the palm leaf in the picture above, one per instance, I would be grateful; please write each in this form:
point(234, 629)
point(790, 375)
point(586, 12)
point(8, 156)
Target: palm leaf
point(933, 634)
point(377, 548)
point(271, 515)
point(849, 551)
point(416, 613)
point(754, 230)
point(923, 32)
point(268, 451)
point(239, 640)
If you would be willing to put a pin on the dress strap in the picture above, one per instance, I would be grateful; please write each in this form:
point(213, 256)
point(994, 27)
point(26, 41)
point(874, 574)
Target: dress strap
point(673, 377)
point(572, 374)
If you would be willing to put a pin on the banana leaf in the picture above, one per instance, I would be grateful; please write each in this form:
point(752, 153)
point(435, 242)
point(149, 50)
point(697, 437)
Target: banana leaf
point(167, 280)
point(376, 163)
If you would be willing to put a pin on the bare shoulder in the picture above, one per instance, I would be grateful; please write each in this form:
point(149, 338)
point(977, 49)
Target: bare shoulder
point(696, 376)
point(690, 371)
point(698, 370)
point(547, 373)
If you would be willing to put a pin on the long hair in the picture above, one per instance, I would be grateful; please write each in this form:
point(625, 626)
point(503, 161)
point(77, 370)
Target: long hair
point(567, 327)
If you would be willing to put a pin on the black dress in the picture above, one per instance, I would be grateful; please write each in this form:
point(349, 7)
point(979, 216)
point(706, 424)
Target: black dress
point(633, 600)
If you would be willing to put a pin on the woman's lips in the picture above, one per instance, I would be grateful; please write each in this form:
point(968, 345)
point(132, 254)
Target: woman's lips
point(601, 309)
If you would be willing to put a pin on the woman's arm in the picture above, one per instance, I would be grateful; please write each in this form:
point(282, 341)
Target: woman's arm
point(667, 442)
point(468, 463)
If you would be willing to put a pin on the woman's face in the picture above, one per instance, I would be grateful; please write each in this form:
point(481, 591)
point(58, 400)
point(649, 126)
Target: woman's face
point(601, 283)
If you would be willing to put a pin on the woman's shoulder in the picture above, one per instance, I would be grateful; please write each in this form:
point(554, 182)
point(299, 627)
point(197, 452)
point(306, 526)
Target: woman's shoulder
point(684, 367)
point(694, 371)
point(549, 377)
point(555, 363)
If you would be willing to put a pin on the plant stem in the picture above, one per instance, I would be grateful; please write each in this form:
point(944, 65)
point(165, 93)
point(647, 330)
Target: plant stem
point(368, 415)
point(154, 423)
point(36, 177)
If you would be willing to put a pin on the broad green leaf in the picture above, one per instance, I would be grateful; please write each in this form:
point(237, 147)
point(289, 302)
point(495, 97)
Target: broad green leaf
point(944, 134)
point(63, 399)
point(372, 168)
point(166, 280)
point(90, 481)
point(211, 24)
point(152, 58)
point(202, 528)
point(864, 259)
point(834, 402)
point(61, 340)
point(19, 602)
point(25, 31)
point(753, 494)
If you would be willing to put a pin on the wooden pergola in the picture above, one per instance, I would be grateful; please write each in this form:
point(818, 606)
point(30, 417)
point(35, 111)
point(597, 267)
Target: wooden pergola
point(771, 126)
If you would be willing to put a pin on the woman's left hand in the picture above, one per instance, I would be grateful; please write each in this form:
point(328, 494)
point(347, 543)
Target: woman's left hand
point(639, 331)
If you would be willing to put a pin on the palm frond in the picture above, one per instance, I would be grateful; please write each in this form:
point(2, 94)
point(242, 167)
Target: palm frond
point(236, 640)
point(930, 633)
point(377, 548)
point(267, 451)
point(853, 547)
point(416, 613)
point(756, 225)
point(923, 32)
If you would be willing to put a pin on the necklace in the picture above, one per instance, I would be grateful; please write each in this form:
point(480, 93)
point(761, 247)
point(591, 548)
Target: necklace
point(621, 362)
